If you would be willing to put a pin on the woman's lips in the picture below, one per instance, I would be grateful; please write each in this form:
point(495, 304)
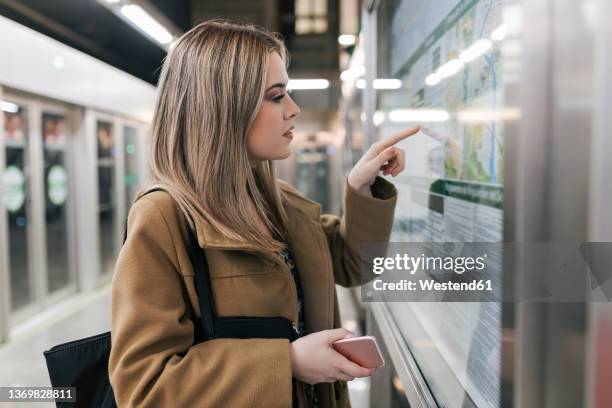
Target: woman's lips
point(288, 134)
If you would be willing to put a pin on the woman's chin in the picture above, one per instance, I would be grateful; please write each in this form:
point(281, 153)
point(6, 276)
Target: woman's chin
point(282, 154)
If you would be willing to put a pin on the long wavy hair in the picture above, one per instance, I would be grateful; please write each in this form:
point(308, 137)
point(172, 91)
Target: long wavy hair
point(210, 90)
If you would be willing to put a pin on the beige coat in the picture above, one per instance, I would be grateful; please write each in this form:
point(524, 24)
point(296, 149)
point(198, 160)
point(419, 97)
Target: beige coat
point(153, 361)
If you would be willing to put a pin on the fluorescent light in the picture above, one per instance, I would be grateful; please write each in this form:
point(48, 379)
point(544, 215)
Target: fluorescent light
point(146, 23)
point(346, 39)
point(352, 73)
point(9, 107)
point(308, 84)
point(499, 33)
point(475, 50)
point(488, 115)
point(381, 83)
point(433, 79)
point(418, 115)
point(112, 1)
point(387, 83)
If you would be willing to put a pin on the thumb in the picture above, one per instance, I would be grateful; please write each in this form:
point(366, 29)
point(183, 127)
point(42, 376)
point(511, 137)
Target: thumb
point(338, 334)
point(384, 156)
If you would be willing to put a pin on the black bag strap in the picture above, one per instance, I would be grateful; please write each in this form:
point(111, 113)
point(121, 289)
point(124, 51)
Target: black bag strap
point(202, 277)
point(208, 311)
point(212, 326)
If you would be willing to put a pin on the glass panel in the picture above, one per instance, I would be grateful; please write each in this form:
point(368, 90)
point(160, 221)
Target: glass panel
point(16, 202)
point(448, 61)
point(132, 177)
point(106, 195)
point(56, 196)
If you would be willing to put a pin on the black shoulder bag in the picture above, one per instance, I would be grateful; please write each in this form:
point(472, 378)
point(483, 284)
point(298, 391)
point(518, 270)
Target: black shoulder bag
point(83, 363)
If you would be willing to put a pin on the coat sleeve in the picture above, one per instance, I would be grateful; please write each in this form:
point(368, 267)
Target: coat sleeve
point(361, 233)
point(153, 362)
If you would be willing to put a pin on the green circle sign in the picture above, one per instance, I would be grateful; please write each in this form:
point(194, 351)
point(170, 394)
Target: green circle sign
point(14, 188)
point(57, 185)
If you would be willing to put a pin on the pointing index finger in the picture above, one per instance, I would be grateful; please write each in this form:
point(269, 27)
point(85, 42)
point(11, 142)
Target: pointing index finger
point(397, 137)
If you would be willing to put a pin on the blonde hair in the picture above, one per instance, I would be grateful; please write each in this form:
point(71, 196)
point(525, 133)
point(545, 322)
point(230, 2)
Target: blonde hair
point(210, 90)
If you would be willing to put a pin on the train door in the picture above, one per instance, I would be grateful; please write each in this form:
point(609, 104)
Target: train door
point(37, 205)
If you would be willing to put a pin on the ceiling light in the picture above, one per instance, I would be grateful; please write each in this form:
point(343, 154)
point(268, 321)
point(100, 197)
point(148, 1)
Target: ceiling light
point(387, 83)
point(308, 84)
point(488, 115)
point(146, 23)
point(9, 107)
point(347, 40)
point(418, 115)
point(381, 83)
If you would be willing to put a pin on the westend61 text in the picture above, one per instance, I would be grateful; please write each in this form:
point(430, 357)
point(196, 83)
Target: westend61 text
point(432, 285)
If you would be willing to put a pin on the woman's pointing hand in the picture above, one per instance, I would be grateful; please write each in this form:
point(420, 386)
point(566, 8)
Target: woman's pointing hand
point(381, 156)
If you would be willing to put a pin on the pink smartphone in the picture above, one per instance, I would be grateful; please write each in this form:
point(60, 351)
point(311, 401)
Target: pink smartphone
point(362, 350)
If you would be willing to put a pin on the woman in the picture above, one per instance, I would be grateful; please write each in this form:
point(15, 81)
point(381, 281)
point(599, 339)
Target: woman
point(222, 116)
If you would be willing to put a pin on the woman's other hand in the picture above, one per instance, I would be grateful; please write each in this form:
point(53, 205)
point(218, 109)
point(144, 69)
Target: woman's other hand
point(381, 156)
point(314, 360)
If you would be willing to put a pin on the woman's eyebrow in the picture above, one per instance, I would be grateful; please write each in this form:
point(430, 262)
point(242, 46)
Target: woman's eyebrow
point(277, 85)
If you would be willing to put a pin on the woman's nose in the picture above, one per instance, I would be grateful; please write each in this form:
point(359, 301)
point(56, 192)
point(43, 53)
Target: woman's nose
point(294, 110)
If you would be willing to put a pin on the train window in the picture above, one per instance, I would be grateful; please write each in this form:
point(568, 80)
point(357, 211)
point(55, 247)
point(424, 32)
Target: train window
point(56, 197)
point(15, 180)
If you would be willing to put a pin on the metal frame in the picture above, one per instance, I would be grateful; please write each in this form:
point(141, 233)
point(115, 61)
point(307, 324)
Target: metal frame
point(417, 390)
point(552, 200)
point(600, 223)
point(5, 284)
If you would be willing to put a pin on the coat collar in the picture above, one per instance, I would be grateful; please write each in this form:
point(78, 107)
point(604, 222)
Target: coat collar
point(297, 207)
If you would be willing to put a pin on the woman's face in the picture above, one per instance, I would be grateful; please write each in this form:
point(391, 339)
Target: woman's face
point(271, 132)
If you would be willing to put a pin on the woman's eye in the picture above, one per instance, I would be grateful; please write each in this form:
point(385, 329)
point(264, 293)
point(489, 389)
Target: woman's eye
point(278, 98)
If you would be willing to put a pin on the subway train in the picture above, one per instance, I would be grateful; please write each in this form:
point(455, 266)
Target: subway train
point(511, 166)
